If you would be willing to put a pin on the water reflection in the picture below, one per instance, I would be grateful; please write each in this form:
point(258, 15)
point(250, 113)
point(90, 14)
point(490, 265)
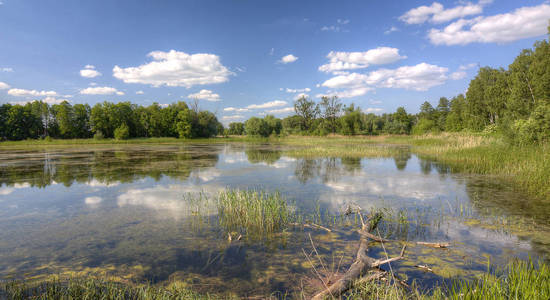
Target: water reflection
point(133, 210)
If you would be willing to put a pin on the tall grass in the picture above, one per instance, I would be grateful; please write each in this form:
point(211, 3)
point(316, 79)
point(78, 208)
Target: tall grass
point(254, 213)
point(91, 288)
point(519, 280)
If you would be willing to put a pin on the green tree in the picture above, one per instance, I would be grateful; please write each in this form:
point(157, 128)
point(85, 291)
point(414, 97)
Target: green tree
point(236, 128)
point(122, 132)
point(307, 110)
point(256, 127)
point(332, 107)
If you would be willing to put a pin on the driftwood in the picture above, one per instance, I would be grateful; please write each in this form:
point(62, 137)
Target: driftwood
point(361, 265)
point(312, 226)
point(364, 264)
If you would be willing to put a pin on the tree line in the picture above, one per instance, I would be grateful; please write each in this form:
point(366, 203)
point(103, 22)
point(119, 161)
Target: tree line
point(514, 102)
point(122, 120)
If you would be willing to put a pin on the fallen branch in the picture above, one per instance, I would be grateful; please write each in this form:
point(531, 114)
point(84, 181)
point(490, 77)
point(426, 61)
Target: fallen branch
point(312, 226)
point(434, 245)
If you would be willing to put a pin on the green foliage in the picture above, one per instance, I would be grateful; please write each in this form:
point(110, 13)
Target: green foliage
point(425, 126)
point(307, 110)
point(122, 132)
point(98, 135)
point(535, 129)
point(236, 128)
point(257, 127)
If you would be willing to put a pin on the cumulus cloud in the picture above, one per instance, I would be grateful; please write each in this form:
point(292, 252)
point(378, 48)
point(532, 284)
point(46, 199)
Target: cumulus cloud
point(288, 59)
point(49, 100)
point(235, 109)
point(349, 93)
point(4, 86)
point(281, 110)
point(276, 103)
point(298, 90)
point(420, 77)
point(205, 95)
point(359, 60)
point(89, 71)
point(175, 68)
point(93, 201)
point(139, 93)
point(232, 117)
point(101, 90)
point(392, 29)
point(373, 110)
point(457, 75)
point(524, 22)
point(30, 93)
point(435, 13)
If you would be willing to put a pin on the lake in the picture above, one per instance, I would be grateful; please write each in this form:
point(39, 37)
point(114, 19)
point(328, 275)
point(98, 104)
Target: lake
point(141, 213)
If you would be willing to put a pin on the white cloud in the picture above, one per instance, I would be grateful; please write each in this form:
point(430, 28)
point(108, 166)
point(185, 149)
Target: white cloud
point(30, 93)
point(300, 95)
point(89, 71)
point(7, 70)
point(232, 117)
point(288, 59)
point(337, 27)
point(435, 13)
point(457, 75)
point(392, 29)
point(140, 93)
point(298, 90)
point(205, 95)
point(420, 77)
point(175, 68)
point(373, 110)
point(101, 90)
point(348, 93)
point(359, 60)
point(281, 110)
point(524, 22)
point(468, 66)
point(4, 86)
point(372, 101)
point(235, 109)
point(49, 100)
point(276, 103)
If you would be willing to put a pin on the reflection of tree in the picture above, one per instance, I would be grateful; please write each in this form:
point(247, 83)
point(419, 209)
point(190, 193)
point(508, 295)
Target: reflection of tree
point(306, 169)
point(401, 157)
point(327, 169)
point(262, 155)
point(351, 164)
point(106, 166)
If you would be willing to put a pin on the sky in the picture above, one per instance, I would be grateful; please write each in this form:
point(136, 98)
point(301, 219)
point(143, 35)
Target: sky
point(243, 58)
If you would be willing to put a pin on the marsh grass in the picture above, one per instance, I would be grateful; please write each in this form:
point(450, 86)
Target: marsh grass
point(92, 288)
point(519, 280)
point(253, 213)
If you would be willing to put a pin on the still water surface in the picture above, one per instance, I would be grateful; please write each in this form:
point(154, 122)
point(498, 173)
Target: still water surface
point(132, 212)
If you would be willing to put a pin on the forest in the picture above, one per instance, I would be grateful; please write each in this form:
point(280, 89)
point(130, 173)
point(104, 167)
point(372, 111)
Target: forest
point(513, 102)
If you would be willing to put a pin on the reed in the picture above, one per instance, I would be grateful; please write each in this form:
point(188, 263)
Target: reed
point(252, 213)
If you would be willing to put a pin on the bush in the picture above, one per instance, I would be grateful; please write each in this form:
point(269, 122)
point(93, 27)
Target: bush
point(425, 126)
point(122, 132)
point(535, 129)
point(98, 136)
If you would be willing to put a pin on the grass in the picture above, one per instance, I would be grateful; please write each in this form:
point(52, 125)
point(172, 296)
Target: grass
point(252, 213)
point(92, 288)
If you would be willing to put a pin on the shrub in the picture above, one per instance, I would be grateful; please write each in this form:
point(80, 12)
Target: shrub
point(425, 126)
point(98, 135)
point(122, 132)
point(535, 129)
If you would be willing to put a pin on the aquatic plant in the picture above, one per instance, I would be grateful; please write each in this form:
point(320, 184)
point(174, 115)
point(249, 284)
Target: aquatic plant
point(254, 213)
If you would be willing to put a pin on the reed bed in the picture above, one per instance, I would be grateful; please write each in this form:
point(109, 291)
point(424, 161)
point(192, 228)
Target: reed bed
point(253, 213)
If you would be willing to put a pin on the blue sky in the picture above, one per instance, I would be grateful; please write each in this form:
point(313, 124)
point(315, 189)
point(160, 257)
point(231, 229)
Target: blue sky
point(249, 58)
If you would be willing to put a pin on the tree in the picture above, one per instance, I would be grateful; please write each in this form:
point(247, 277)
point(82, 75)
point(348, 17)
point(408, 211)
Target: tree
point(122, 132)
point(256, 127)
point(275, 124)
point(350, 122)
point(307, 110)
point(332, 107)
point(236, 128)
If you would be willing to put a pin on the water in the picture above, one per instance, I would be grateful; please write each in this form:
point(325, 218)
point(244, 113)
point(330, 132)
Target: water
point(132, 212)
